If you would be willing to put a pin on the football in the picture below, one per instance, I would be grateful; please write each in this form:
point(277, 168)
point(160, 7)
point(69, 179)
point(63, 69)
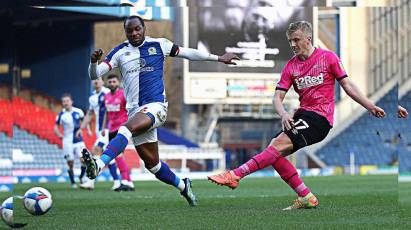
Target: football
point(37, 201)
point(7, 211)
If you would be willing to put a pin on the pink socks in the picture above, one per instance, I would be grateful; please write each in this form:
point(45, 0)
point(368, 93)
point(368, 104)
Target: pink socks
point(259, 161)
point(270, 156)
point(122, 166)
point(289, 174)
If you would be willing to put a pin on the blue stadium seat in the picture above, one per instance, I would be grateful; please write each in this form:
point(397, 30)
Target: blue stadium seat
point(370, 139)
point(45, 155)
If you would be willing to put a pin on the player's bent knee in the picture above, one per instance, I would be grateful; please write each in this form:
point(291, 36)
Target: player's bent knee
point(282, 143)
point(139, 123)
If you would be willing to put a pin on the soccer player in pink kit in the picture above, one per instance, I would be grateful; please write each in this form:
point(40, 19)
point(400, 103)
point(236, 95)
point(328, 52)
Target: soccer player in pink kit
point(312, 72)
point(116, 116)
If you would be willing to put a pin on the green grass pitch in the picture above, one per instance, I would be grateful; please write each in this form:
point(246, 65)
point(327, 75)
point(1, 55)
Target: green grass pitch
point(404, 190)
point(346, 202)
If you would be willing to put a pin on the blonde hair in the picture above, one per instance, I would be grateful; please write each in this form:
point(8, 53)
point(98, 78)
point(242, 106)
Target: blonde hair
point(304, 26)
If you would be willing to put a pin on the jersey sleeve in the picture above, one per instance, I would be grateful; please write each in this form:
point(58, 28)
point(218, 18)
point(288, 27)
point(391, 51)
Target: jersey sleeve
point(90, 107)
point(336, 67)
point(58, 118)
point(285, 80)
point(81, 113)
point(112, 58)
point(168, 48)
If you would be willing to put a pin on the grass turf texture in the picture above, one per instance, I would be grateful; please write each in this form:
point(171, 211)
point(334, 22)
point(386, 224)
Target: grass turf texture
point(355, 202)
point(404, 191)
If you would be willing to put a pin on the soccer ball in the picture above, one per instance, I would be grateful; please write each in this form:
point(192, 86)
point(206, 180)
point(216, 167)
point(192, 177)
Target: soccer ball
point(7, 211)
point(37, 201)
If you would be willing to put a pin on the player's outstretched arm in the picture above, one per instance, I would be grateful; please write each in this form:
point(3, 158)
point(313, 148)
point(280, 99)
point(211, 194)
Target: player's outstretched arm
point(352, 90)
point(402, 112)
point(96, 70)
point(57, 131)
point(86, 122)
point(286, 118)
point(197, 55)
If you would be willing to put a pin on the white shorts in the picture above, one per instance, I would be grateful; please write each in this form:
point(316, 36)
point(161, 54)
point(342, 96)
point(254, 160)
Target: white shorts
point(102, 141)
point(156, 111)
point(72, 151)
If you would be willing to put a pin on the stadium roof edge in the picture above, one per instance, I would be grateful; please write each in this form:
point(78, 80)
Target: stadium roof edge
point(146, 3)
point(149, 13)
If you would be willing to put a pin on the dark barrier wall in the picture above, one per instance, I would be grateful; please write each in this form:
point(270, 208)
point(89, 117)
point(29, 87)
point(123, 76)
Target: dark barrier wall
point(57, 53)
point(58, 56)
point(6, 51)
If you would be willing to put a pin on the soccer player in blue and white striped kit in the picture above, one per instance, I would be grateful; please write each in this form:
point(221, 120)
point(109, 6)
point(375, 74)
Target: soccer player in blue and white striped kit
point(98, 107)
point(70, 119)
point(140, 60)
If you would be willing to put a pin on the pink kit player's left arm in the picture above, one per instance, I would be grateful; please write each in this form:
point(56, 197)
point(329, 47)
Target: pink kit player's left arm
point(352, 90)
point(349, 87)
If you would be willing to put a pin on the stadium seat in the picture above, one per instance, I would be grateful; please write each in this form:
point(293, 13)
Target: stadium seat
point(371, 140)
point(44, 154)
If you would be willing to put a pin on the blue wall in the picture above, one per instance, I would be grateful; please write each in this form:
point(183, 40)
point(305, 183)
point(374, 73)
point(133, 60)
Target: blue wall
point(58, 56)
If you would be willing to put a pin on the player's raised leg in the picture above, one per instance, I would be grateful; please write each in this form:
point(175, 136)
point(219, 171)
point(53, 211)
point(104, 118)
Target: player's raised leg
point(272, 155)
point(262, 160)
point(232, 178)
point(136, 125)
point(115, 146)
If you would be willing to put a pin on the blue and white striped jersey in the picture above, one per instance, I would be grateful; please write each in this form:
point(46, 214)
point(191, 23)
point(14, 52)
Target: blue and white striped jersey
point(70, 121)
point(142, 69)
point(97, 105)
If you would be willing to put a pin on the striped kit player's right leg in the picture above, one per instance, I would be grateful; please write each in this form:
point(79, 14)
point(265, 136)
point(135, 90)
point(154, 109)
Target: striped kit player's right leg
point(141, 126)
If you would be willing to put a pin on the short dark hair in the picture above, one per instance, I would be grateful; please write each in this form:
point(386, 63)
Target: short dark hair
point(66, 95)
point(133, 17)
point(111, 76)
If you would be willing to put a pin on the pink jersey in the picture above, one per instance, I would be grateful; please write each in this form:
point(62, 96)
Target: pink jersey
point(314, 79)
point(116, 110)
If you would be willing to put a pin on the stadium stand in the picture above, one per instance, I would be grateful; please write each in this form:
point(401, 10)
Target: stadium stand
point(31, 152)
point(6, 114)
point(372, 141)
point(5, 155)
point(39, 121)
point(35, 146)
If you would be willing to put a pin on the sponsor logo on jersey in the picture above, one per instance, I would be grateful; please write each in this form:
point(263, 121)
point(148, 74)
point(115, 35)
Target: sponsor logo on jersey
point(113, 107)
point(127, 53)
point(142, 62)
point(142, 67)
point(309, 81)
point(152, 51)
